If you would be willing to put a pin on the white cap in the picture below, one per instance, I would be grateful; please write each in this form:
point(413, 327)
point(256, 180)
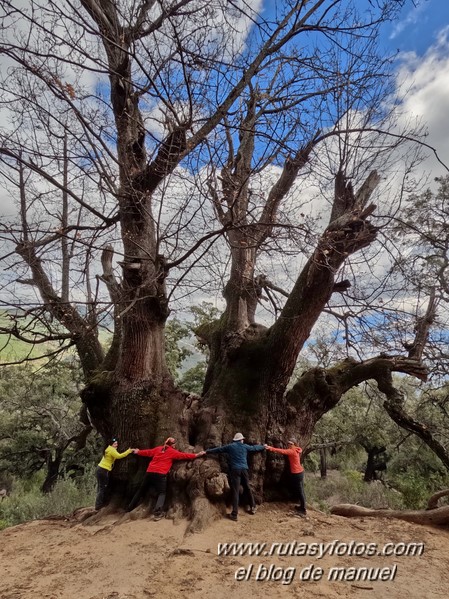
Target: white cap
point(238, 437)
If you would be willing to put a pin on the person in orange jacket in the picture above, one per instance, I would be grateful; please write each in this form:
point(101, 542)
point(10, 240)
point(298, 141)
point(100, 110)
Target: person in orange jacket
point(157, 471)
point(293, 453)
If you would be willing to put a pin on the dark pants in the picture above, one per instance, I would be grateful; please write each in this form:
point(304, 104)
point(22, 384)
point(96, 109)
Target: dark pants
point(155, 481)
point(297, 486)
point(102, 483)
point(239, 477)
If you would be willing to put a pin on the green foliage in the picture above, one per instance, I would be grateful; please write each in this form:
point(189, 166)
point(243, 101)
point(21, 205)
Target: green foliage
point(414, 490)
point(360, 423)
point(176, 349)
point(413, 472)
point(39, 414)
point(311, 462)
point(204, 313)
point(27, 502)
point(416, 473)
point(192, 380)
point(348, 487)
point(13, 349)
point(206, 321)
point(358, 418)
point(377, 496)
point(180, 338)
point(349, 457)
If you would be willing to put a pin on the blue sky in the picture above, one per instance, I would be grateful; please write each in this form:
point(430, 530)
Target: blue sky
point(421, 34)
point(418, 26)
point(421, 37)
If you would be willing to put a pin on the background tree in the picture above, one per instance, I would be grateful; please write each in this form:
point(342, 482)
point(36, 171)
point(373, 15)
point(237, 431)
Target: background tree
point(360, 436)
point(423, 266)
point(168, 134)
point(176, 343)
point(39, 423)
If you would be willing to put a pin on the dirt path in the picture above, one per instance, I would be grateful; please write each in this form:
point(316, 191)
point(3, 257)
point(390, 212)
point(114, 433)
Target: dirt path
point(122, 559)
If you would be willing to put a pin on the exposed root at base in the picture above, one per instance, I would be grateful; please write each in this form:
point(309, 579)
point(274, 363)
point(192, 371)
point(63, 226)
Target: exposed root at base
point(438, 516)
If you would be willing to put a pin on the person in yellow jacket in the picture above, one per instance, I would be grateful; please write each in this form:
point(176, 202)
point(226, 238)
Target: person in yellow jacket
point(104, 468)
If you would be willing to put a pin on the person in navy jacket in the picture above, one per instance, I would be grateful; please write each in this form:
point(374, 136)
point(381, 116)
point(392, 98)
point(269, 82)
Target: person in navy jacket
point(237, 453)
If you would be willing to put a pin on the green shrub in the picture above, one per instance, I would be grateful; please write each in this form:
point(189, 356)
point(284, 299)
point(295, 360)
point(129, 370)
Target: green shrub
point(27, 502)
point(312, 462)
point(4, 524)
point(415, 490)
point(377, 496)
point(349, 487)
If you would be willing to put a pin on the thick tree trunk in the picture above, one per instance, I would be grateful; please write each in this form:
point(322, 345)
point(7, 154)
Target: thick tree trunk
point(242, 395)
point(372, 463)
point(53, 468)
point(139, 414)
point(323, 462)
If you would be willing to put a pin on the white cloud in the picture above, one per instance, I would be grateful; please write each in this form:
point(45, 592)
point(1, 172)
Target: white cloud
point(426, 83)
point(414, 16)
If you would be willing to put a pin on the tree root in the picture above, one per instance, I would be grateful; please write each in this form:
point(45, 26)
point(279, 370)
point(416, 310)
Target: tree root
point(433, 500)
point(438, 516)
point(203, 513)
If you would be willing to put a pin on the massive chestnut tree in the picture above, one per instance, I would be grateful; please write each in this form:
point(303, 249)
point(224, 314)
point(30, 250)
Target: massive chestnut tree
point(164, 152)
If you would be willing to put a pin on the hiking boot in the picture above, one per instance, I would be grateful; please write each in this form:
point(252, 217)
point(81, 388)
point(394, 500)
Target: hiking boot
point(232, 517)
point(252, 510)
point(158, 516)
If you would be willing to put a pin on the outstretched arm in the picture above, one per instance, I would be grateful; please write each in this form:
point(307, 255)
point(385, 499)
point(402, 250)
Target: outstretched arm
point(282, 451)
point(222, 449)
point(118, 456)
point(146, 453)
point(255, 447)
point(181, 455)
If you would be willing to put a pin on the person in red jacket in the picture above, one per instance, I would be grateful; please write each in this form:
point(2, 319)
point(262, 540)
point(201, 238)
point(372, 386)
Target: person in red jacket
point(293, 452)
point(156, 474)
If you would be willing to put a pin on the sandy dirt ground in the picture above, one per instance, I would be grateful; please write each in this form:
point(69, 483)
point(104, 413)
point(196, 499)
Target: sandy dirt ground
point(141, 559)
